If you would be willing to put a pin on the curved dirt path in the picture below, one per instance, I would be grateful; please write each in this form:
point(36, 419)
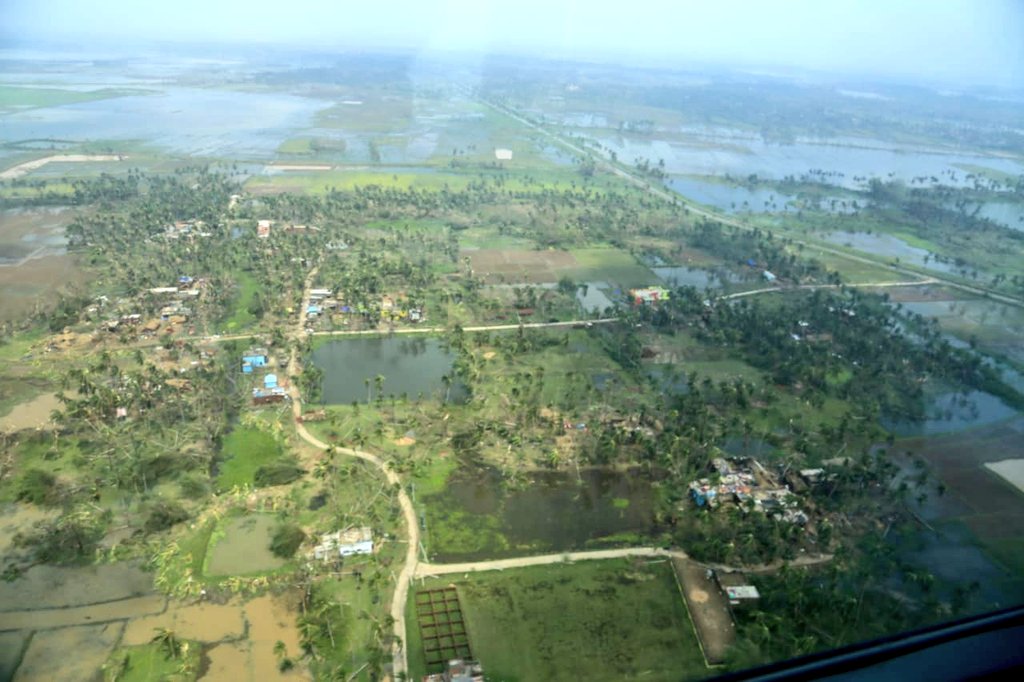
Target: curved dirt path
point(398, 653)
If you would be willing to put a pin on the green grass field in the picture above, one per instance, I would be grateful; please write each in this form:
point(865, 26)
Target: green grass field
point(13, 96)
point(245, 450)
point(240, 317)
point(593, 620)
point(151, 662)
point(610, 265)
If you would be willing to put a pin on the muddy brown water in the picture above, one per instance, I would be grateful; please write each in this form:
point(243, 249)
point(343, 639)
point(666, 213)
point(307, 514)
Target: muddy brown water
point(31, 414)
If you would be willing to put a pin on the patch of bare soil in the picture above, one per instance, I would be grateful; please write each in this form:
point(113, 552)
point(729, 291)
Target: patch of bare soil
point(708, 609)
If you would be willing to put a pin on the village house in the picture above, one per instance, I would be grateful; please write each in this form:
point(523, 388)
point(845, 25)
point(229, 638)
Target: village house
point(649, 295)
point(263, 229)
point(344, 543)
point(252, 359)
point(503, 154)
point(458, 670)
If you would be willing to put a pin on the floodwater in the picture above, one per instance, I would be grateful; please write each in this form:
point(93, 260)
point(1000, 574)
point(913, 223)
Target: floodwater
point(36, 232)
point(1005, 213)
point(552, 511)
point(193, 121)
point(409, 365)
point(592, 297)
point(889, 246)
point(732, 198)
point(245, 547)
point(852, 158)
point(950, 411)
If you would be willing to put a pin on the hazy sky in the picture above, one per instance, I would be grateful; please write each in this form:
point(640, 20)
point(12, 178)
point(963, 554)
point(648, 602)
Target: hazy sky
point(978, 41)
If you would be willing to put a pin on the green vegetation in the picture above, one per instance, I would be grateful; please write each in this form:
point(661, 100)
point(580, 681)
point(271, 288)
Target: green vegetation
point(595, 620)
point(166, 658)
point(246, 450)
point(15, 97)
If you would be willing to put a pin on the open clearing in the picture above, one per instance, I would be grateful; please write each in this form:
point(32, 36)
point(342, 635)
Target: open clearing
point(29, 166)
point(34, 414)
point(978, 496)
point(523, 266)
point(595, 620)
point(1012, 470)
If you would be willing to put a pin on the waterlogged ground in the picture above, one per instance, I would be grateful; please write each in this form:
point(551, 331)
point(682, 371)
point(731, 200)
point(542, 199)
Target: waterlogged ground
point(93, 611)
point(478, 516)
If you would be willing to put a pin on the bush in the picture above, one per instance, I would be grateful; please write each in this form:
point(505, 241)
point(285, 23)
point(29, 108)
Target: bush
point(40, 487)
point(278, 473)
point(164, 514)
point(286, 539)
point(194, 487)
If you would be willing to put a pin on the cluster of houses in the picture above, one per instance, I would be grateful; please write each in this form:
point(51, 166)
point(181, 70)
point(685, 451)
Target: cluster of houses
point(186, 229)
point(748, 485)
point(324, 302)
point(268, 390)
point(173, 311)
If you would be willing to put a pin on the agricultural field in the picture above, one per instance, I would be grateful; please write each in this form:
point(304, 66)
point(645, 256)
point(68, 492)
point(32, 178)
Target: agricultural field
point(281, 336)
point(600, 620)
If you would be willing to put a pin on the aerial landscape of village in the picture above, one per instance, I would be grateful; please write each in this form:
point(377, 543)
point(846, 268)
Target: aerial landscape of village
point(383, 364)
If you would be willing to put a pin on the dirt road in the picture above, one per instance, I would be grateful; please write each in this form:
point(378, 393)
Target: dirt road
point(29, 166)
point(399, 656)
point(424, 570)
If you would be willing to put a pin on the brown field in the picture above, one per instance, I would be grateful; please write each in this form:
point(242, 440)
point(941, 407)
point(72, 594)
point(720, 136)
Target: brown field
point(986, 503)
point(32, 283)
point(520, 265)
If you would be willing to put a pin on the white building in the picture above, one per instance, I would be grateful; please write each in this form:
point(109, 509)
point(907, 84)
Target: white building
point(344, 543)
point(503, 154)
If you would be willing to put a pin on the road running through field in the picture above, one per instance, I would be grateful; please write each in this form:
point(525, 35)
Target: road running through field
point(426, 570)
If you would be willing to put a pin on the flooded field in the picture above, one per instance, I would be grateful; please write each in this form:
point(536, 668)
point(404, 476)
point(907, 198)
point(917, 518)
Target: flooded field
point(741, 154)
point(94, 611)
point(193, 121)
point(550, 511)
point(33, 259)
point(242, 545)
point(890, 247)
point(731, 198)
point(950, 411)
point(409, 365)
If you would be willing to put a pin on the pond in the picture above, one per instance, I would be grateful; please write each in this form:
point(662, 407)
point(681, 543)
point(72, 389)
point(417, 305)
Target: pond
point(592, 298)
point(952, 411)
point(694, 277)
point(410, 365)
point(244, 548)
point(478, 517)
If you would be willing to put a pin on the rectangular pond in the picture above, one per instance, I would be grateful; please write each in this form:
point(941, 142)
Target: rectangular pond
point(410, 365)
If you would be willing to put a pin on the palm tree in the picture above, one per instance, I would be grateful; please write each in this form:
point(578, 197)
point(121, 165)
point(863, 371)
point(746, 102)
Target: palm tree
point(168, 641)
